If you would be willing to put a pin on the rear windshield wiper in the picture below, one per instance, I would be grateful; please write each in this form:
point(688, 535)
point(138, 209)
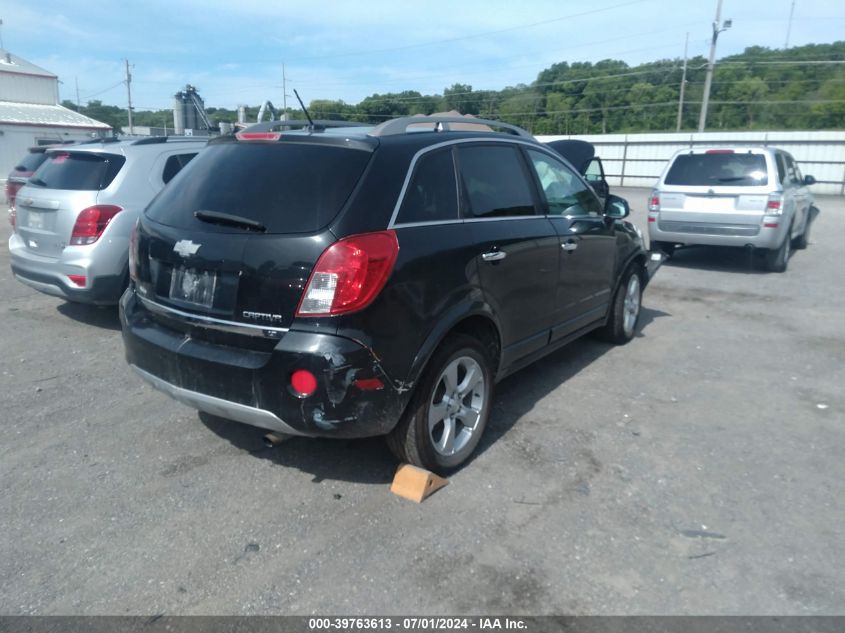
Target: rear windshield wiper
point(734, 178)
point(216, 217)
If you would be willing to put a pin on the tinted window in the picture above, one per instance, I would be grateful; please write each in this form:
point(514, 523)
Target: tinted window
point(31, 161)
point(174, 165)
point(287, 187)
point(495, 181)
point(432, 194)
point(565, 192)
point(707, 170)
point(78, 171)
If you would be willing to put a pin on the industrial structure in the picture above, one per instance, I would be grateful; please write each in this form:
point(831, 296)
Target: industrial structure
point(189, 114)
point(30, 113)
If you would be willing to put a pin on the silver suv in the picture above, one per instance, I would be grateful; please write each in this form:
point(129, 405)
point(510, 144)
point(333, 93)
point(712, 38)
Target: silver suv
point(749, 196)
point(75, 213)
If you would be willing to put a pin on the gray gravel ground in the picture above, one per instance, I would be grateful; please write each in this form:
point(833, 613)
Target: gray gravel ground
point(697, 470)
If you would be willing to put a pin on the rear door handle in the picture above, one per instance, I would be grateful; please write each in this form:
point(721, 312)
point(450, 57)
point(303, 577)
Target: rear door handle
point(494, 256)
point(569, 245)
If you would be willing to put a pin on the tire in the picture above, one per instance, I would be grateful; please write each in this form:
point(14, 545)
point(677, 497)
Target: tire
point(422, 437)
point(803, 241)
point(777, 259)
point(667, 247)
point(621, 325)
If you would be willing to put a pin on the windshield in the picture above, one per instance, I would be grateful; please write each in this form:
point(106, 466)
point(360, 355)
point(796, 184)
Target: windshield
point(77, 171)
point(707, 170)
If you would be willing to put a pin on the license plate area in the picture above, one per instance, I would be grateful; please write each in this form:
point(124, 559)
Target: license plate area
point(36, 220)
point(193, 287)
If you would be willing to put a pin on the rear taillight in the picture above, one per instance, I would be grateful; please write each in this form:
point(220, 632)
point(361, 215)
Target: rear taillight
point(12, 189)
point(91, 222)
point(654, 202)
point(349, 274)
point(133, 254)
point(774, 205)
point(719, 151)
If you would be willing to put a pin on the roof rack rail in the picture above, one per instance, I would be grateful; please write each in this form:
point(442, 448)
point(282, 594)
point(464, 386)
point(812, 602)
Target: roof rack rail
point(108, 139)
point(269, 126)
point(398, 126)
point(152, 140)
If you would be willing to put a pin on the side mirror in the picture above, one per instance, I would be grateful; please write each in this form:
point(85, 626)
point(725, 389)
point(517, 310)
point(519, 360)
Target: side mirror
point(809, 180)
point(616, 208)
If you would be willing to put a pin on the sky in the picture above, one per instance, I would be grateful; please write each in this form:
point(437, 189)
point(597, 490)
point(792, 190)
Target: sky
point(234, 51)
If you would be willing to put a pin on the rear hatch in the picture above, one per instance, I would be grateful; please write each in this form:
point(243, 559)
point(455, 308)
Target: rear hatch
point(66, 183)
point(716, 191)
point(235, 235)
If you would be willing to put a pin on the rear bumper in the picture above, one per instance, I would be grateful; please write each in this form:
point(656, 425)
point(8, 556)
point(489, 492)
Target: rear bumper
point(719, 234)
point(49, 275)
point(252, 387)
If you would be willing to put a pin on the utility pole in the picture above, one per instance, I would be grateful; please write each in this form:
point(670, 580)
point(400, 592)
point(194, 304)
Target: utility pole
point(718, 27)
point(683, 85)
point(284, 95)
point(77, 92)
point(129, 96)
point(789, 24)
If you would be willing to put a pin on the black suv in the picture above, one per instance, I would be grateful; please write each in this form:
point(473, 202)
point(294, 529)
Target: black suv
point(355, 281)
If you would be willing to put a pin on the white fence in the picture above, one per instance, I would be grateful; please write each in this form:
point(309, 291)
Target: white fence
point(637, 160)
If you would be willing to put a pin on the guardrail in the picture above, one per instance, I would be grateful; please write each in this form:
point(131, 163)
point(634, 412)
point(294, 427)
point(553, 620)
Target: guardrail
point(637, 160)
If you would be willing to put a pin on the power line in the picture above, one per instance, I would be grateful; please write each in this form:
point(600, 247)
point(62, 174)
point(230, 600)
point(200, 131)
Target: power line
point(472, 36)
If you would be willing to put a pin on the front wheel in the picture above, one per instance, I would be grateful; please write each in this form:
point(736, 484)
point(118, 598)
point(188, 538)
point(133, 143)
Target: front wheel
point(449, 410)
point(625, 310)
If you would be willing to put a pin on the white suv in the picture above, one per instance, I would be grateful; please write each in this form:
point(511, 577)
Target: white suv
point(740, 196)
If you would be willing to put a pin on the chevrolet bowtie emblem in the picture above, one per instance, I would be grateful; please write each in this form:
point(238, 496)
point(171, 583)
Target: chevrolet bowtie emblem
point(186, 247)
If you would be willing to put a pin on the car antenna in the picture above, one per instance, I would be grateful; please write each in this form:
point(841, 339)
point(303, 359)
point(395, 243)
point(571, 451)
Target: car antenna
point(307, 116)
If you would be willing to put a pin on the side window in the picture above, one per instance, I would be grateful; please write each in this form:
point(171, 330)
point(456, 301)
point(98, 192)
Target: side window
point(432, 194)
point(792, 168)
point(781, 169)
point(495, 182)
point(565, 193)
point(174, 165)
point(594, 171)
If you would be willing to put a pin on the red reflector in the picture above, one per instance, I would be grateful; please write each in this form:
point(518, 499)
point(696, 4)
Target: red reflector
point(773, 204)
point(652, 219)
point(91, 222)
point(719, 151)
point(771, 225)
point(303, 382)
point(77, 280)
point(369, 384)
point(349, 274)
point(258, 136)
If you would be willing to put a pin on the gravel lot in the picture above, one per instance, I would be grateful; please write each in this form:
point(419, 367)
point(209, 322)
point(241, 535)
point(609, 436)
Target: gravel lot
point(697, 470)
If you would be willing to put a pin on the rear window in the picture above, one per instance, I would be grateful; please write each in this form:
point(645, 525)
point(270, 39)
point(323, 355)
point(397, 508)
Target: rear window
point(287, 187)
point(31, 161)
point(77, 171)
point(707, 170)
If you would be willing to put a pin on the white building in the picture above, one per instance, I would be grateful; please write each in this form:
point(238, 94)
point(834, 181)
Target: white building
point(30, 113)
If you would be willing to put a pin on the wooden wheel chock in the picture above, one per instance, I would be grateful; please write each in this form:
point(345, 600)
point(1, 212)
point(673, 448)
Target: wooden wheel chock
point(415, 483)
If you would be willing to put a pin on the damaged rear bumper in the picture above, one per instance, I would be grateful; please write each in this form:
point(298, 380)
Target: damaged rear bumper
point(253, 387)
